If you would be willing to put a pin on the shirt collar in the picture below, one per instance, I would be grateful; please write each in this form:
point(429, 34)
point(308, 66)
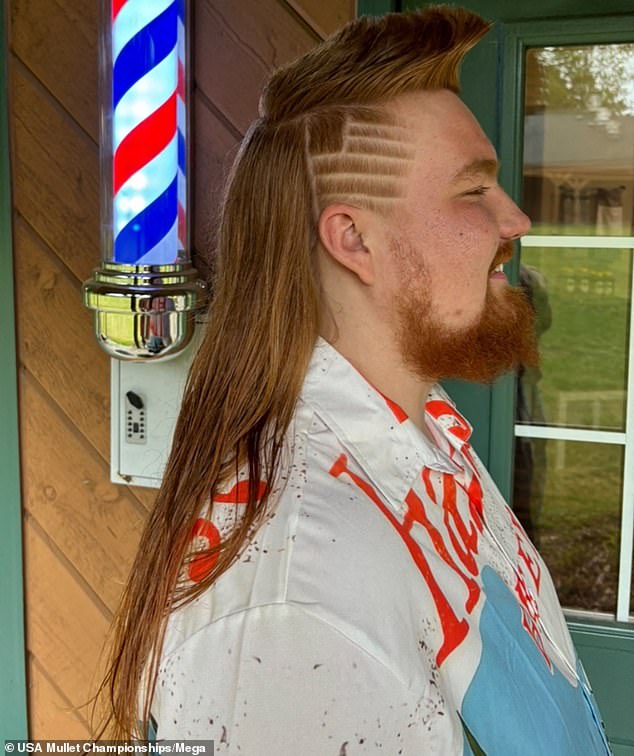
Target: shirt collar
point(388, 446)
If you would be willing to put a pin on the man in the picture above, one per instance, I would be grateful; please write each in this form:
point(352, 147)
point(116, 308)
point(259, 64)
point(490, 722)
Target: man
point(329, 568)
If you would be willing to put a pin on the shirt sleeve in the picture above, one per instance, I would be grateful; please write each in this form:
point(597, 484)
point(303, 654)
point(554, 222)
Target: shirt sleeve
point(277, 679)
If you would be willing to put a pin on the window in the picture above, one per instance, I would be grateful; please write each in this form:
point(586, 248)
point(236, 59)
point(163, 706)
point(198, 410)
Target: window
point(574, 424)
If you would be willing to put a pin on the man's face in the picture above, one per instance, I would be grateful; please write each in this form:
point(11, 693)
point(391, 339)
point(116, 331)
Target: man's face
point(454, 315)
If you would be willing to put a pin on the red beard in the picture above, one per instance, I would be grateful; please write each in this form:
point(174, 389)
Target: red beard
point(502, 338)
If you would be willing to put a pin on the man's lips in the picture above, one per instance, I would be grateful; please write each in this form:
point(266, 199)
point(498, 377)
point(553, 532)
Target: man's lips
point(503, 255)
point(498, 273)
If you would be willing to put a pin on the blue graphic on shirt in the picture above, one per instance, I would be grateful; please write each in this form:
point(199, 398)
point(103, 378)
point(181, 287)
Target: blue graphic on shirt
point(515, 704)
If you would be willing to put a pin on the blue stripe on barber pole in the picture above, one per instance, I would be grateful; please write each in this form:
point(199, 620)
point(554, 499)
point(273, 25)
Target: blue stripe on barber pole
point(144, 51)
point(132, 17)
point(182, 155)
point(164, 250)
point(144, 97)
point(147, 228)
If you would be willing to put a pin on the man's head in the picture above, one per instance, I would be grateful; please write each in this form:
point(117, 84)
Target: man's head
point(364, 175)
point(428, 256)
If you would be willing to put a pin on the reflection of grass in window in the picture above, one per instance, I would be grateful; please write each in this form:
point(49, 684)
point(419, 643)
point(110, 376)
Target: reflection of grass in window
point(579, 524)
point(585, 348)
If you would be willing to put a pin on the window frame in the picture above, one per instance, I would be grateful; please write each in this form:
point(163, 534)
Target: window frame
point(13, 702)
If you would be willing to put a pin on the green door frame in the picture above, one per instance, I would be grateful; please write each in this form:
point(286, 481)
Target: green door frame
point(13, 706)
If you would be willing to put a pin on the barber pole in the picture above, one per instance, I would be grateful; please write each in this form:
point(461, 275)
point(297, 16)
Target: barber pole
point(146, 289)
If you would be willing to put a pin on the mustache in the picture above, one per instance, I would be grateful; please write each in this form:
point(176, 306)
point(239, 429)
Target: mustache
point(503, 255)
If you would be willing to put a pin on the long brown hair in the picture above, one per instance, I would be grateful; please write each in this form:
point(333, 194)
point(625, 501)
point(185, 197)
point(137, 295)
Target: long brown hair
point(324, 134)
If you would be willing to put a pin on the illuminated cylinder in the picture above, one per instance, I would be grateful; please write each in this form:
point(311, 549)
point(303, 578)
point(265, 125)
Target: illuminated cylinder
point(146, 291)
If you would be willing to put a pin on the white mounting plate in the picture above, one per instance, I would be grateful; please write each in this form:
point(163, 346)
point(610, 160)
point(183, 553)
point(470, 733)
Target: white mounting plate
point(161, 385)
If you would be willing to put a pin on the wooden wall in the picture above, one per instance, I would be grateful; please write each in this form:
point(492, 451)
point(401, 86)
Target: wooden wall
point(80, 530)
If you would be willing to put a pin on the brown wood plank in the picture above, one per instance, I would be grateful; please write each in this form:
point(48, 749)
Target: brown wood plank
point(146, 496)
point(55, 175)
point(215, 147)
point(56, 341)
point(51, 716)
point(236, 45)
point(324, 16)
point(95, 523)
point(65, 629)
point(57, 41)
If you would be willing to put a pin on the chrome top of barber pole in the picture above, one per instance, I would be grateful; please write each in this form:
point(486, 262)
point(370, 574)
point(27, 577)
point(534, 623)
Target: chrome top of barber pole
point(146, 291)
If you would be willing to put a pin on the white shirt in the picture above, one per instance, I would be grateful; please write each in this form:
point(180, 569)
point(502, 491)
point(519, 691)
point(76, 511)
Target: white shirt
point(390, 602)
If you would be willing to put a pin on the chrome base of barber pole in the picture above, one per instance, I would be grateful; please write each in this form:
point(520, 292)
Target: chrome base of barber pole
point(144, 312)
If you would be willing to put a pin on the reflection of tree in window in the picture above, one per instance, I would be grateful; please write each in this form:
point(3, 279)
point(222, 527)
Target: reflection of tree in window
point(578, 130)
point(593, 79)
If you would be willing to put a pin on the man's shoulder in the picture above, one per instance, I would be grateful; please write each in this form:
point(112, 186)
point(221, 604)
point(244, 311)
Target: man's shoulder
point(316, 548)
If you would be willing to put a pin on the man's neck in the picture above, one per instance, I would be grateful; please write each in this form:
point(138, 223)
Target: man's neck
point(378, 361)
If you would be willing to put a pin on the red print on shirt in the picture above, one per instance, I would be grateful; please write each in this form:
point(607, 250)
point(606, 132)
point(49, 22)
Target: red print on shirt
point(527, 583)
point(454, 629)
point(205, 534)
point(456, 543)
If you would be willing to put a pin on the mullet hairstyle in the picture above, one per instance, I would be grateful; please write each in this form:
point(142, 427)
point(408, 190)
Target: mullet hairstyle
point(325, 134)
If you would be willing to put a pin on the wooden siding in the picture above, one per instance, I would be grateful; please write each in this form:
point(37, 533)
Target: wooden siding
point(80, 530)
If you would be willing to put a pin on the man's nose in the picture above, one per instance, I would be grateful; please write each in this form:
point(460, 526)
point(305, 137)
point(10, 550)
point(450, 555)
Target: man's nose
point(514, 222)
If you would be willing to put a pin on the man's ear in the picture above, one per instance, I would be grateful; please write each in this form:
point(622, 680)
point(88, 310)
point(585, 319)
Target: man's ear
point(340, 232)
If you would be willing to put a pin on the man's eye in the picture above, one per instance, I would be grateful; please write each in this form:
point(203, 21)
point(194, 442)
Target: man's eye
point(478, 191)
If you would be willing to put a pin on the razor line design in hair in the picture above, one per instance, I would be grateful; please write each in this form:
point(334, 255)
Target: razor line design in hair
point(366, 171)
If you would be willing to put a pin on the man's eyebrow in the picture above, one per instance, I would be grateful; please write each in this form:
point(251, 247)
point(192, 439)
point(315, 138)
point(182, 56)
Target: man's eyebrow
point(486, 166)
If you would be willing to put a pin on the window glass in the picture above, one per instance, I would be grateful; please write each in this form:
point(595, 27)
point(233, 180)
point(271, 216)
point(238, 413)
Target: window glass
point(578, 137)
point(567, 494)
point(581, 299)
point(573, 421)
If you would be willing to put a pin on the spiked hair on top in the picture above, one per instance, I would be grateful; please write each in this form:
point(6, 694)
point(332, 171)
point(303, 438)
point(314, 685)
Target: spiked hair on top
point(371, 60)
point(325, 134)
